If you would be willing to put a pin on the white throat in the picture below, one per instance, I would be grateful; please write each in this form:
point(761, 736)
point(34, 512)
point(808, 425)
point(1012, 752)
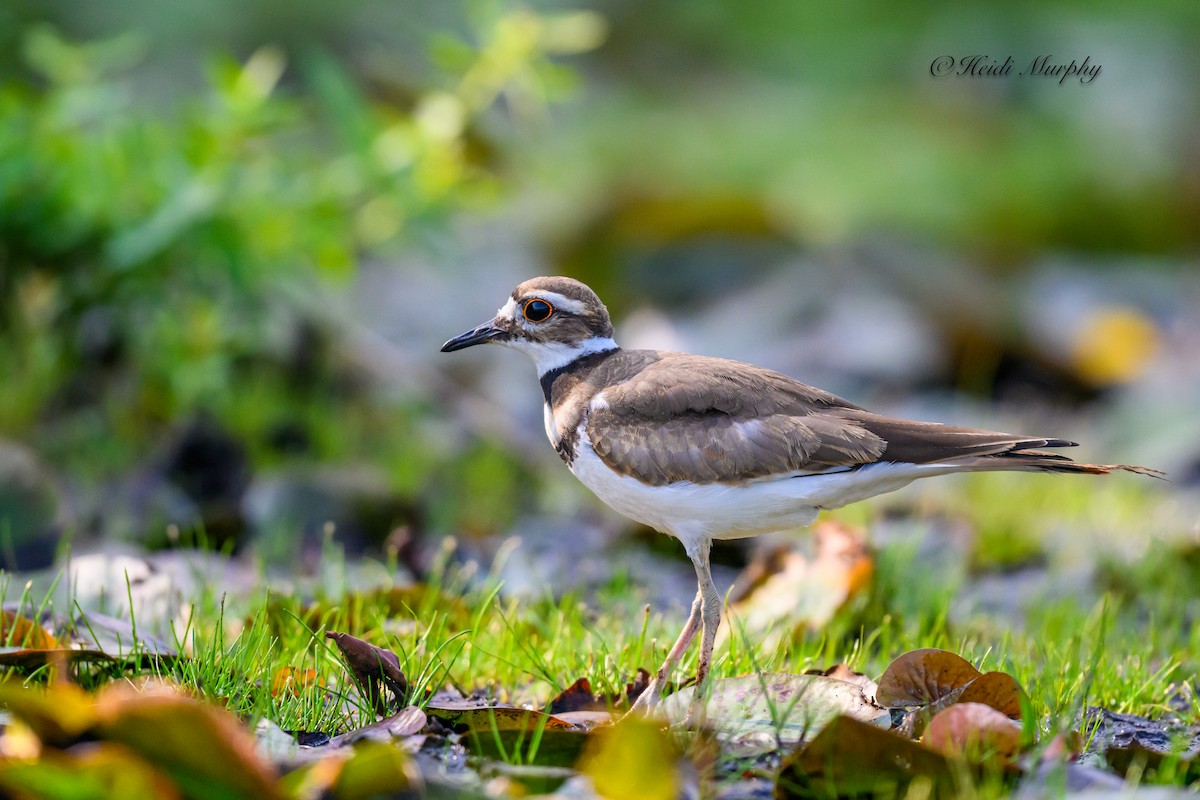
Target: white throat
point(549, 356)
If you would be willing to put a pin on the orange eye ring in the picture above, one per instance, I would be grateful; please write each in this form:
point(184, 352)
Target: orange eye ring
point(537, 310)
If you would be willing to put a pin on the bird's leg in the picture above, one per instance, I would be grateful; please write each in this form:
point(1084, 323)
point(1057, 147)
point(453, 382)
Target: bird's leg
point(649, 698)
point(710, 617)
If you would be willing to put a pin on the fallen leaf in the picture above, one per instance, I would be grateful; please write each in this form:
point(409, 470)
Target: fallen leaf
point(373, 668)
point(118, 638)
point(783, 705)
point(634, 689)
point(999, 690)
point(314, 779)
point(924, 677)
point(464, 715)
point(376, 770)
point(406, 722)
point(18, 631)
point(31, 660)
point(373, 769)
point(577, 697)
point(278, 746)
point(511, 734)
point(291, 680)
point(549, 747)
point(206, 750)
point(587, 720)
point(975, 732)
point(58, 714)
point(841, 672)
point(852, 758)
point(783, 592)
point(98, 638)
point(100, 769)
point(506, 780)
point(634, 760)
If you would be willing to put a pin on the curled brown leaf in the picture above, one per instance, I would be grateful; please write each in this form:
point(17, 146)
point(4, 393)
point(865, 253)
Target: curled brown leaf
point(923, 677)
point(373, 668)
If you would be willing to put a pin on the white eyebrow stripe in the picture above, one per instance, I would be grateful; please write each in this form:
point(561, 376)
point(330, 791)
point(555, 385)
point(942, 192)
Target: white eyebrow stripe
point(562, 302)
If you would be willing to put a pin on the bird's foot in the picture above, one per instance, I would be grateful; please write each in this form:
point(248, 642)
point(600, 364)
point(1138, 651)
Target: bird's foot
point(697, 713)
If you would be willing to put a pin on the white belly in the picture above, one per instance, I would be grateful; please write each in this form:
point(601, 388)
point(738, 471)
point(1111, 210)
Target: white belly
point(727, 511)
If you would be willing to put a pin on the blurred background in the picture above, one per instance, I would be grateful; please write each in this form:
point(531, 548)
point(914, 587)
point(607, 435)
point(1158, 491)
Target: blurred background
point(234, 235)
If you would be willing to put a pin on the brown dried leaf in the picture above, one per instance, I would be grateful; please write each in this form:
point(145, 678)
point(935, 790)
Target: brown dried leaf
point(922, 677)
point(373, 667)
point(634, 689)
point(852, 758)
point(998, 690)
point(975, 732)
point(578, 697)
point(30, 660)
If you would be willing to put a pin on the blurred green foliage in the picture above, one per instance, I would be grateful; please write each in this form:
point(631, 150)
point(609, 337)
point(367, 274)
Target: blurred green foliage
point(154, 261)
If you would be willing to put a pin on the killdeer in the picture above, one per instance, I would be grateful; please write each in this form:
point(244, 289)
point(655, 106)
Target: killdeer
point(706, 448)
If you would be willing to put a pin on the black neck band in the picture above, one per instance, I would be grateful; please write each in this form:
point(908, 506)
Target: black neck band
point(551, 375)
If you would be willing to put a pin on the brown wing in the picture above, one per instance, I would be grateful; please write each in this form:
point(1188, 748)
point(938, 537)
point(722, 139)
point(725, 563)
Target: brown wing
point(710, 420)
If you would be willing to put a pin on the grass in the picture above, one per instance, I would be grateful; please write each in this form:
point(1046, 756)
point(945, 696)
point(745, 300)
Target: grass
point(1129, 648)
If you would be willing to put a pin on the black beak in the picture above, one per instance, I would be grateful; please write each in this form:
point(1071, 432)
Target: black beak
point(481, 335)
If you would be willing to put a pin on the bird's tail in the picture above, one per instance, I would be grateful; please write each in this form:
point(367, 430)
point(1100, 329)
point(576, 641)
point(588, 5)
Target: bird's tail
point(1043, 461)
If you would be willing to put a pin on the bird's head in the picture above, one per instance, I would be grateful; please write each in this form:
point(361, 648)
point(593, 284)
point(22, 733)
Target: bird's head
point(553, 320)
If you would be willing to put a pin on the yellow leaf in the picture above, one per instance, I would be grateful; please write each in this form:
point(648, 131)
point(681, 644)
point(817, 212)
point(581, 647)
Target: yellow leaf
point(57, 714)
point(633, 760)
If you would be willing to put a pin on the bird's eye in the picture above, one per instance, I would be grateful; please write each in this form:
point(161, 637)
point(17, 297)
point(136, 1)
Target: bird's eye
point(537, 310)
